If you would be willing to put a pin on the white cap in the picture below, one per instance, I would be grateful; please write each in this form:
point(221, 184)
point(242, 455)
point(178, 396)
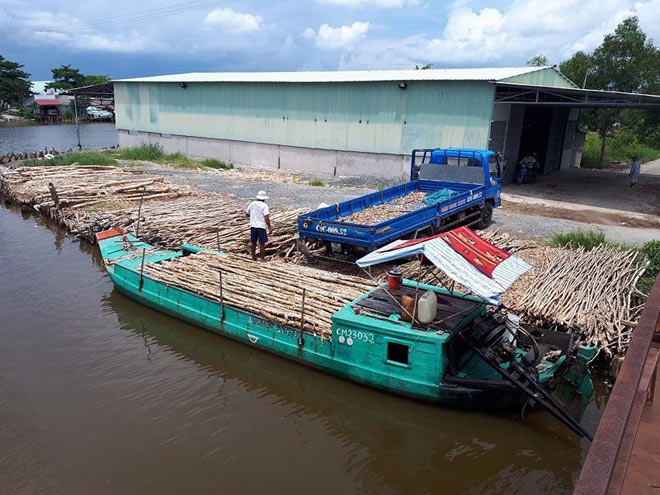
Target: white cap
point(261, 195)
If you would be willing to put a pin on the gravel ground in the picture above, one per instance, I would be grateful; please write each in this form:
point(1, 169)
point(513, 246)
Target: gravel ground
point(297, 193)
point(294, 193)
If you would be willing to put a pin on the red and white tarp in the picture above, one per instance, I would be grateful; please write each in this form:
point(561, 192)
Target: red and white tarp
point(464, 256)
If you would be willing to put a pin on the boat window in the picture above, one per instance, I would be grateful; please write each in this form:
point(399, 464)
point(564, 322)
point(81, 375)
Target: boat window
point(397, 353)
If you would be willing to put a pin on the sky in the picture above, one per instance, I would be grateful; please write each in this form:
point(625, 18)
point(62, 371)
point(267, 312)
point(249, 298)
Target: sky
point(124, 38)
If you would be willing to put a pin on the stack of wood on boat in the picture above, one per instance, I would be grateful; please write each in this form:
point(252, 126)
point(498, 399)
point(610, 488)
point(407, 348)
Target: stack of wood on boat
point(273, 291)
point(202, 219)
point(386, 211)
point(592, 293)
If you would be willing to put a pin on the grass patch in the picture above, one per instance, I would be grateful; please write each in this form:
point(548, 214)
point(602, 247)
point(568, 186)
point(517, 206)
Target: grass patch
point(619, 148)
point(179, 160)
point(144, 152)
point(316, 182)
point(103, 206)
point(652, 252)
point(79, 157)
point(380, 187)
point(587, 239)
point(213, 163)
point(154, 153)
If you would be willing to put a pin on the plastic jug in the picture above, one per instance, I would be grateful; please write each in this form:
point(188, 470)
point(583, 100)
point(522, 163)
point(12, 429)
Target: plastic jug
point(427, 307)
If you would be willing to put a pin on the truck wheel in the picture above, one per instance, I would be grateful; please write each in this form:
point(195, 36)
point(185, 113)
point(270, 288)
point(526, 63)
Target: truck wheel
point(486, 216)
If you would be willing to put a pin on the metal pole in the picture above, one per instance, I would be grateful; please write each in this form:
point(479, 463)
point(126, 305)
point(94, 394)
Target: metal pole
point(302, 319)
point(142, 269)
point(75, 111)
point(137, 229)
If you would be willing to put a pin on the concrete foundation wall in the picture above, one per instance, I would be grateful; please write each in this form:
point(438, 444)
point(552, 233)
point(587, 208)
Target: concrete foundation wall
point(288, 158)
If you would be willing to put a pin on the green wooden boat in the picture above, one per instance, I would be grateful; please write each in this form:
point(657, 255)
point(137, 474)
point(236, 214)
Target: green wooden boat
point(453, 363)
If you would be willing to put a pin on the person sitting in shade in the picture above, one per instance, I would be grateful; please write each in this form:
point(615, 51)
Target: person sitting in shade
point(259, 221)
point(635, 169)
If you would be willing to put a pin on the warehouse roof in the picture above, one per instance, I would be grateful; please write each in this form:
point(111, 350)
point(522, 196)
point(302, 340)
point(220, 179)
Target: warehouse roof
point(492, 74)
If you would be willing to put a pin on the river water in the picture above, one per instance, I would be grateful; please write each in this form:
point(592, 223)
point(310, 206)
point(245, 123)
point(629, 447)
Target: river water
point(101, 395)
point(29, 138)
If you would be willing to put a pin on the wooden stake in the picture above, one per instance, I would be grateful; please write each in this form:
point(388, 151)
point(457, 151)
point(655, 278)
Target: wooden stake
point(137, 229)
point(142, 269)
point(302, 319)
point(222, 305)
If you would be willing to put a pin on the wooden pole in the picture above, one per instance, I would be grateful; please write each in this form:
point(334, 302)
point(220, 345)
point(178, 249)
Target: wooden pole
point(56, 199)
point(142, 269)
point(222, 305)
point(137, 229)
point(75, 111)
point(302, 319)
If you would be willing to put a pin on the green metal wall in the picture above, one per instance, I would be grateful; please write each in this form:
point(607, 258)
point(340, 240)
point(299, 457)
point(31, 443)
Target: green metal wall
point(543, 77)
point(374, 117)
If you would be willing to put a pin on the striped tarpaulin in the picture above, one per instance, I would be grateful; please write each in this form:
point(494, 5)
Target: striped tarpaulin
point(456, 265)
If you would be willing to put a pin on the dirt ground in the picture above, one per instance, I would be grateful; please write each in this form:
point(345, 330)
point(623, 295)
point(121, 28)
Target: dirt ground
point(592, 196)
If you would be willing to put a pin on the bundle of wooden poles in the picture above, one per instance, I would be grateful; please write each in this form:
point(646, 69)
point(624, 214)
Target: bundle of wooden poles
point(204, 219)
point(75, 188)
point(591, 293)
point(273, 291)
point(91, 199)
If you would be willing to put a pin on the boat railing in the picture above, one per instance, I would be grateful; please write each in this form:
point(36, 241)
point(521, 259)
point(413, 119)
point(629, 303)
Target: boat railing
point(604, 470)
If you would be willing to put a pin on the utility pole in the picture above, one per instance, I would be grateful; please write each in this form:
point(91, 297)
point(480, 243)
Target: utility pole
point(75, 111)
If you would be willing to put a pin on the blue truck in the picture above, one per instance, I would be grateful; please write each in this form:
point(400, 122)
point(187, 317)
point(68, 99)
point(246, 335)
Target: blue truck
point(461, 186)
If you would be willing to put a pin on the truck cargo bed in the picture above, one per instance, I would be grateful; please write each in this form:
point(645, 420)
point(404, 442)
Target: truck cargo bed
point(328, 224)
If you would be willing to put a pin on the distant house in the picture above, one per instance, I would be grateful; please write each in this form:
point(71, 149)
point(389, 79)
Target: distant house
point(47, 106)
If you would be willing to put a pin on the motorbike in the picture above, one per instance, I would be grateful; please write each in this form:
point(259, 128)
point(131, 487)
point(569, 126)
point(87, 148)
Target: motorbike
point(526, 173)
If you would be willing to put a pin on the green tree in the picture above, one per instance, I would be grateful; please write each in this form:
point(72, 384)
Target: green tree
point(626, 61)
point(577, 68)
point(14, 84)
point(91, 80)
point(538, 61)
point(425, 67)
point(66, 77)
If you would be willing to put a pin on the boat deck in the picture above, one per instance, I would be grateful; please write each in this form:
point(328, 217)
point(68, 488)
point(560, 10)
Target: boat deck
point(451, 309)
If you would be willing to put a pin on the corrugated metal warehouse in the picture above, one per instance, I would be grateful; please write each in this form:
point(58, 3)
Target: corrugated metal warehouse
point(359, 122)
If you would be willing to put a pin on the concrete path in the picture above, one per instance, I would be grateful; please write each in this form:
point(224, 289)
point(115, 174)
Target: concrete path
point(651, 168)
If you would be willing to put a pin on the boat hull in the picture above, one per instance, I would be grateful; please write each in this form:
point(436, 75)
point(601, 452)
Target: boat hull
point(315, 352)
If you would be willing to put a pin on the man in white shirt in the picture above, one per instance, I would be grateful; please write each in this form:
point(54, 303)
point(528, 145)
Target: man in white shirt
point(259, 220)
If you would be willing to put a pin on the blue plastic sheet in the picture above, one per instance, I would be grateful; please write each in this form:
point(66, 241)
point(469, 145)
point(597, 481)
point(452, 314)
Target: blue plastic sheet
point(439, 196)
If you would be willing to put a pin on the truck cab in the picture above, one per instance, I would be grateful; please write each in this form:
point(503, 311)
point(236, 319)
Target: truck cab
point(472, 165)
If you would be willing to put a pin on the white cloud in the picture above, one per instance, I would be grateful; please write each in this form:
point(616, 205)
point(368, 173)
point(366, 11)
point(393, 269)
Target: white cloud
point(339, 38)
point(497, 36)
point(385, 4)
point(233, 22)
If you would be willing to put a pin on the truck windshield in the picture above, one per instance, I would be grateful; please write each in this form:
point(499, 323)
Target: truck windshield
point(493, 167)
